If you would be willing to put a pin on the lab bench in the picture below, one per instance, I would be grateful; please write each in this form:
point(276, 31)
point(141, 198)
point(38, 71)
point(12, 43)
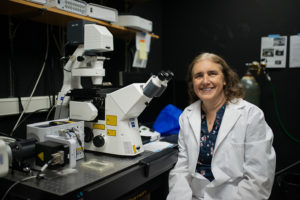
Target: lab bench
point(115, 178)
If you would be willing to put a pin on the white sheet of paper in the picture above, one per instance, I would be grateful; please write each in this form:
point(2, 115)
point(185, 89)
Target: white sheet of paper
point(294, 51)
point(157, 146)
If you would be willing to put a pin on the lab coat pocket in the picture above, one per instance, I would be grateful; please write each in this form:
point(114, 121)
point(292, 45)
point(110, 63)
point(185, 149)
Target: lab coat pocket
point(226, 191)
point(198, 184)
point(235, 160)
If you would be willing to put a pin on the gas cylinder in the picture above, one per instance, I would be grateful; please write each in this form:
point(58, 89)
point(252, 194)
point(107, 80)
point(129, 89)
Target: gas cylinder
point(252, 89)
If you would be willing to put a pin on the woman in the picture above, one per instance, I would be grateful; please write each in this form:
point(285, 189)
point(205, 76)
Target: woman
point(225, 144)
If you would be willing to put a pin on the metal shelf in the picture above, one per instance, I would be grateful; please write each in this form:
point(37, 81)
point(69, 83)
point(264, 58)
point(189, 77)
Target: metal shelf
point(51, 15)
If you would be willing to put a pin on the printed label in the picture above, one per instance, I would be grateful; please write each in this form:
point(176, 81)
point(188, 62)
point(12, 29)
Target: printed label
point(41, 156)
point(99, 126)
point(134, 149)
point(111, 132)
point(111, 120)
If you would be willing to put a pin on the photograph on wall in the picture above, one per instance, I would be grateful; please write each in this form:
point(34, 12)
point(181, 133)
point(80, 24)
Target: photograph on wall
point(273, 50)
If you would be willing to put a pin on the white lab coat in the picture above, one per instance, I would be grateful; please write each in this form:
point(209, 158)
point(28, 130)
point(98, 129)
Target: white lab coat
point(243, 162)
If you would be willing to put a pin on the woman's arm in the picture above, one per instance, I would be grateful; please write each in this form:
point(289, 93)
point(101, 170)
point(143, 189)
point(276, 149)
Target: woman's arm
point(179, 178)
point(260, 159)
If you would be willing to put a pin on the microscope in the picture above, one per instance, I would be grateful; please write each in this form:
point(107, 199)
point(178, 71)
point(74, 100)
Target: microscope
point(110, 115)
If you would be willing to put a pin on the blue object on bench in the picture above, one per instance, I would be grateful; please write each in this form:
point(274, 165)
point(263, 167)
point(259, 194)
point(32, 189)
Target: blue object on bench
point(166, 122)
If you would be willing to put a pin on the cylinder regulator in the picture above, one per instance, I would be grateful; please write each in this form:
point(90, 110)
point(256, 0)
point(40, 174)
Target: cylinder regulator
point(252, 88)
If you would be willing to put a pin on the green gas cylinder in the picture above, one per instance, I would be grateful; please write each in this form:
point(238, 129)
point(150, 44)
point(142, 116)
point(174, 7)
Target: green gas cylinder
point(252, 89)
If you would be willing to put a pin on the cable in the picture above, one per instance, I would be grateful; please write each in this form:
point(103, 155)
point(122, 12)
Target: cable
point(25, 118)
point(7, 140)
point(29, 115)
point(277, 112)
point(44, 167)
point(80, 143)
point(17, 182)
point(60, 44)
point(4, 134)
point(62, 103)
point(11, 36)
point(74, 130)
point(37, 81)
point(38, 176)
point(51, 103)
point(288, 167)
point(50, 111)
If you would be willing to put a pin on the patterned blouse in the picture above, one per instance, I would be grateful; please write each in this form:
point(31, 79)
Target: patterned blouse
point(207, 143)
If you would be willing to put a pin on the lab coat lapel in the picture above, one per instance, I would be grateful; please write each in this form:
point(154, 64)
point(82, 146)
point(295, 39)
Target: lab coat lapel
point(195, 120)
point(230, 117)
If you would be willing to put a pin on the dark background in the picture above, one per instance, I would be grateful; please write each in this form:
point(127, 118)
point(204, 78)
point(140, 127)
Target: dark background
point(232, 29)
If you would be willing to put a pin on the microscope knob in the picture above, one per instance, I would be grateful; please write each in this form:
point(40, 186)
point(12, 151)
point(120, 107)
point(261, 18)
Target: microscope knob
point(88, 134)
point(98, 141)
point(80, 58)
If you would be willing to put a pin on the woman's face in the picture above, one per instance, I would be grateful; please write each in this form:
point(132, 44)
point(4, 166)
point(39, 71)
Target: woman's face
point(208, 81)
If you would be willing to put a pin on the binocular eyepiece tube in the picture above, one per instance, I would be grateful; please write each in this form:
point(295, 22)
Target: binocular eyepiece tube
point(156, 85)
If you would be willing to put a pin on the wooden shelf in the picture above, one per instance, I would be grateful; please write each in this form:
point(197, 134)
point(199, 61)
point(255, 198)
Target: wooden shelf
point(54, 16)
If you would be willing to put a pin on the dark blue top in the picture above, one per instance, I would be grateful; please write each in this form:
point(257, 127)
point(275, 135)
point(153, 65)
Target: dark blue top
point(207, 143)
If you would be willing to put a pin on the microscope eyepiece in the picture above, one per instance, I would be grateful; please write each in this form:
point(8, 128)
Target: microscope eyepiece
point(161, 75)
point(170, 75)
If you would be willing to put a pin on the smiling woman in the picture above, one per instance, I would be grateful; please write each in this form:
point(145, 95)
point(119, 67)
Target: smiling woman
point(208, 76)
point(208, 83)
point(225, 144)
point(231, 87)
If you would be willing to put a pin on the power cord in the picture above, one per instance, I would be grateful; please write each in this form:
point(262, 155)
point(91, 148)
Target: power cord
point(25, 118)
point(16, 183)
point(36, 83)
point(4, 134)
point(277, 112)
point(38, 176)
point(50, 111)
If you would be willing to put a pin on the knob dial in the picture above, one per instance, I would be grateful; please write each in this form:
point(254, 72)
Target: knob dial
point(98, 141)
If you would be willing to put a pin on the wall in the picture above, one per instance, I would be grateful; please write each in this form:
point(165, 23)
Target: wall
point(233, 29)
